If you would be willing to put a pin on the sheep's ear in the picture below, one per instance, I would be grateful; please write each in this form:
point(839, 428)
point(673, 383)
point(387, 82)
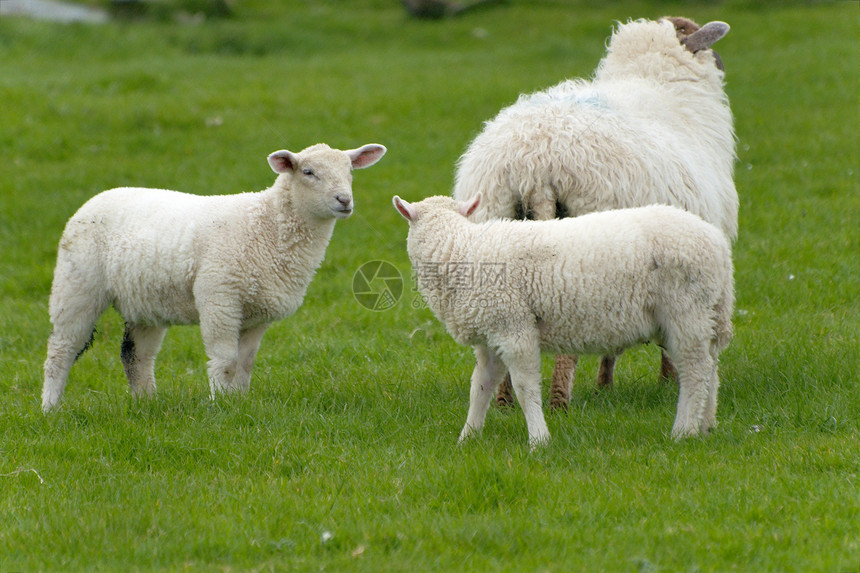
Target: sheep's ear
point(366, 155)
point(705, 36)
point(283, 161)
point(468, 207)
point(405, 209)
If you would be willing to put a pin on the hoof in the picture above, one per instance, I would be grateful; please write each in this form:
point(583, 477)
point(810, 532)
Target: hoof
point(559, 404)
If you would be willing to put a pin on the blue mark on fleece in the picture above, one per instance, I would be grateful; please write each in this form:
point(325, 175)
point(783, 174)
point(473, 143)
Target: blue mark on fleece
point(578, 97)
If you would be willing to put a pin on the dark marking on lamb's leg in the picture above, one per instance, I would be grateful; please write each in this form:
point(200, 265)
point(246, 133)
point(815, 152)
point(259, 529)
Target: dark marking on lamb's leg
point(87, 345)
point(667, 368)
point(505, 393)
point(606, 372)
point(140, 345)
point(127, 353)
point(562, 381)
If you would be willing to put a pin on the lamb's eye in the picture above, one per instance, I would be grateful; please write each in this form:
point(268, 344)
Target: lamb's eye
point(308, 171)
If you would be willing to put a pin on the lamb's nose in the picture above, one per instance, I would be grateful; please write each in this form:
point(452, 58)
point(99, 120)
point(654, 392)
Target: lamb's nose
point(344, 200)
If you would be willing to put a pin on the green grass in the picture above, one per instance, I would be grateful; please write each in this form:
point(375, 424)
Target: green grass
point(343, 456)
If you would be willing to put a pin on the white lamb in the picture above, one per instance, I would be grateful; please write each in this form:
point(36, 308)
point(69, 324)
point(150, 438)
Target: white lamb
point(598, 283)
point(653, 126)
point(232, 263)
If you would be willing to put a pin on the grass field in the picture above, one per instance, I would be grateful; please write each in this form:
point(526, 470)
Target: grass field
point(343, 457)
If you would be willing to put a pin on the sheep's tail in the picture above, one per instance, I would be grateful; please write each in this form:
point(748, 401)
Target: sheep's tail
point(540, 201)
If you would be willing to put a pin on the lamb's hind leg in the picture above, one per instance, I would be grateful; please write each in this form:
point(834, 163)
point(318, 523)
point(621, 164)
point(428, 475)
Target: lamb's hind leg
point(140, 345)
point(75, 307)
point(65, 344)
point(710, 418)
point(696, 376)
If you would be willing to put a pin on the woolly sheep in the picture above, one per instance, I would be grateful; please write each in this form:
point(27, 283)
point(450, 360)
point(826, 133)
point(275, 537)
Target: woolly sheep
point(653, 126)
point(598, 283)
point(231, 263)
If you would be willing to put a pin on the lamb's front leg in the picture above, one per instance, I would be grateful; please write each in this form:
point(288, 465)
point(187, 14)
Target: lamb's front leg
point(489, 371)
point(220, 332)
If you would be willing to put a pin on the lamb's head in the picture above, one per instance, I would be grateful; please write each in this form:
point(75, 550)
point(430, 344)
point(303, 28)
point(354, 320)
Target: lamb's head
point(696, 38)
point(319, 178)
point(439, 204)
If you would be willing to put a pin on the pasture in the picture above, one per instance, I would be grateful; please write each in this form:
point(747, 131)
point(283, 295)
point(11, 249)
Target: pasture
point(343, 456)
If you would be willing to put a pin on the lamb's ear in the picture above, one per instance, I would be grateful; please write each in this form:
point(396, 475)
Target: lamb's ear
point(468, 207)
point(366, 155)
point(283, 161)
point(705, 36)
point(405, 209)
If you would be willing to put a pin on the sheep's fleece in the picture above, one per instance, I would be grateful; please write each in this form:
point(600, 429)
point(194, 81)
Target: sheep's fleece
point(598, 283)
point(653, 126)
point(232, 263)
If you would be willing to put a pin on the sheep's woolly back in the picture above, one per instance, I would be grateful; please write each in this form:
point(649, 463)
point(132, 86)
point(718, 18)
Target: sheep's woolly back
point(596, 283)
point(156, 253)
point(153, 252)
point(654, 126)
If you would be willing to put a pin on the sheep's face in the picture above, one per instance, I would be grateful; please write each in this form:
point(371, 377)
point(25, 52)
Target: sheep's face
point(321, 177)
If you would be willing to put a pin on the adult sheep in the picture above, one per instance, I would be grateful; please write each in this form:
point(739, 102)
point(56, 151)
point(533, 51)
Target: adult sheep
point(653, 126)
point(231, 263)
point(665, 273)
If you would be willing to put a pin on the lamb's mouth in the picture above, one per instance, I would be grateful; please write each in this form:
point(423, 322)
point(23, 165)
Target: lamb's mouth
point(342, 213)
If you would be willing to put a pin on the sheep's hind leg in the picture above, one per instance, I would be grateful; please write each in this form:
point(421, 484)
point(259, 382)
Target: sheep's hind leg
point(606, 372)
point(249, 344)
point(667, 368)
point(140, 346)
point(505, 393)
point(562, 381)
point(489, 370)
